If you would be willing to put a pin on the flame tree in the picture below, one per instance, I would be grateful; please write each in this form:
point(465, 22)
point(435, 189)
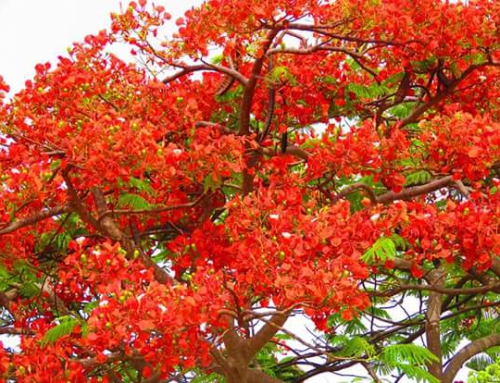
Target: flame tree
point(161, 222)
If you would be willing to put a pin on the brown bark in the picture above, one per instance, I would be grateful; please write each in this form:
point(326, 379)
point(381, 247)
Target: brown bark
point(432, 326)
point(32, 219)
point(240, 352)
point(110, 229)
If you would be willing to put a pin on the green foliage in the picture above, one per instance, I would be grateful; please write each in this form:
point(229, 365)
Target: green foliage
point(401, 110)
point(142, 185)
point(356, 197)
point(382, 250)
point(268, 361)
point(450, 341)
point(353, 327)
point(210, 378)
point(418, 178)
point(355, 348)
point(66, 326)
point(90, 306)
point(403, 353)
point(480, 362)
point(409, 359)
point(278, 74)
point(133, 201)
point(29, 290)
point(490, 373)
point(372, 91)
point(4, 278)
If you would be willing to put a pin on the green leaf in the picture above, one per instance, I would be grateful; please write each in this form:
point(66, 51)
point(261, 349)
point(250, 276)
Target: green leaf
point(132, 200)
point(357, 347)
point(418, 178)
point(4, 278)
point(417, 374)
point(141, 185)
point(66, 326)
point(410, 359)
point(90, 306)
point(363, 91)
point(29, 290)
point(62, 240)
point(212, 378)
point(383, 249)
point(278, 74)
point(411, 353)
point(401, 110)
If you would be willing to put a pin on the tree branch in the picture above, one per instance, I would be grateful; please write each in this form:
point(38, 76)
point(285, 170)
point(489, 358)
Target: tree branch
point(265, 334)
point(352, 188)
point(473, 348)
point(149, 211)
point(437, 289)
point(76, 203)
point(249, 92)
point(258, 376)
point(416, 191)
point(292, 150)
point(208, 67)
point(35, 218)
point(413, 117)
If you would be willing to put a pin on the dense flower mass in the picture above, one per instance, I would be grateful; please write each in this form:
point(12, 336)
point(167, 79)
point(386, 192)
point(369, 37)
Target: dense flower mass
point(270, 159)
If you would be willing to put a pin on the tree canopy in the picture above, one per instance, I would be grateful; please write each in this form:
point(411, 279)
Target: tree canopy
point(162, 220)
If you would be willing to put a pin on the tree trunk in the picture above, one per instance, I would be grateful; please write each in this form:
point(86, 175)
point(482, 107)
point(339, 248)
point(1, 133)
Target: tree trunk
point(432, 324)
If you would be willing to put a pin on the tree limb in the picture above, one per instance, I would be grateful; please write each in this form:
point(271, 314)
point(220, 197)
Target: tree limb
point(416, 191)
point(208, 67)
point(473, 348)
point(265, 334)
point(35, 218)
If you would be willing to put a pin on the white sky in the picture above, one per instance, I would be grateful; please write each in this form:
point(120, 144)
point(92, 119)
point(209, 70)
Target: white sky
point(37, 31)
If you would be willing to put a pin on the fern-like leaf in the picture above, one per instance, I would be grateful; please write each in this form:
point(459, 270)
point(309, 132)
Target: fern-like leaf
point(357, 347)
point(409, 359)
point(414, 354)
point(132, 200)
point(383, 249)
point(65, 327)
point(418, 178)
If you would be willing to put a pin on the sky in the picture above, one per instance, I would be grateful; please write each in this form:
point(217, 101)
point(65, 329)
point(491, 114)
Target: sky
point(38, 31)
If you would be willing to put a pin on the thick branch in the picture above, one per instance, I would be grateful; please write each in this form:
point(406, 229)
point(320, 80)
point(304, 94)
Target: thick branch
point(249, 92)
point(34, 219)
point(439, 97)
point(266, 333)
point(405, 194)
point(433, 319)
point(416, 191)
point(106, 222)
point(292, 150)
point(473, 348)
point(76, 203)
point(207, 67)
point(437, 289)
point(258, 376)
point(152, 211)
point(356, 186)
point(111, 229)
